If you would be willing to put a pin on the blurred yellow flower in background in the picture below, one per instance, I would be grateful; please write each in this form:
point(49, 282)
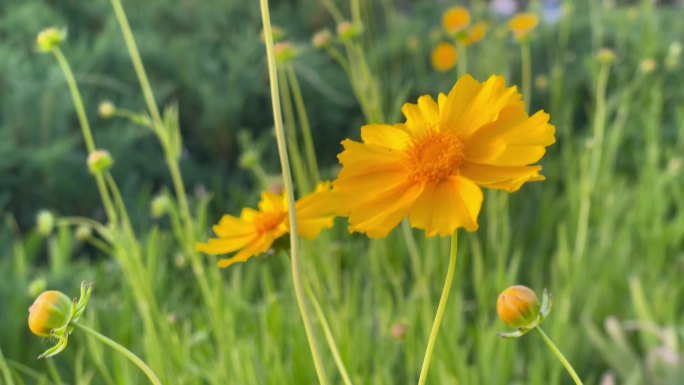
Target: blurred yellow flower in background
point(444, 57)
point(476, 34)
point(455, 20)
point(255, 231)
point(432, 167)
point(523, 24)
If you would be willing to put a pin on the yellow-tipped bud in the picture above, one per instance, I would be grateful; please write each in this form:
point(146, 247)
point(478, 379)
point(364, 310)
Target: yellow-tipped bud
point(605, 56)
point(277, 33)
point(398, 331)
point(518, 306)
point(49, 38)
point(106, 109)
point(284, 52)
point(321, 39)
point(49, 311)
point(647, 66)
point(99, 161)
point(348, 31)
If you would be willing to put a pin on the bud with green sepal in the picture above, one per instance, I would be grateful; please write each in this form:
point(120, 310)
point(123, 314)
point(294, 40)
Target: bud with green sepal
point(99, 161)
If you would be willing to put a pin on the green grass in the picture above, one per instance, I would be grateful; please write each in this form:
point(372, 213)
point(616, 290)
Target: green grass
point(616, 292)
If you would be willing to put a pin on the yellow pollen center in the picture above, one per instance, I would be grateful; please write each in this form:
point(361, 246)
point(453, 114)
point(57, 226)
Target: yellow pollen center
point(269, 221)
point(434, 157)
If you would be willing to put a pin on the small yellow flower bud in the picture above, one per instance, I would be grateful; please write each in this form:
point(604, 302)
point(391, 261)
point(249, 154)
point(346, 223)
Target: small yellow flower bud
point(518, 306)
point(50, 38)
point(321, 39)
point(45, 223)
point(647, 66)
point(348, 31)
point(106, 109)
point(99, 161)
point(284, 52)
point(49, 311)
point(541, 82)
point(605, 56)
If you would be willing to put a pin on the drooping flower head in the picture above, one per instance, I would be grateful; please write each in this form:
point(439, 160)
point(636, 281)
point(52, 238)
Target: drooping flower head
point(522, 24)
point(432, 167)
point(255, 231)
point(444, 57)
point(476, 33)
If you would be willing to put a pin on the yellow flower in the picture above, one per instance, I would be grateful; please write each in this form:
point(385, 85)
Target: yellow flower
point(522, 24)
point(455, 20)
point(255, 231)
point(431, 167)
point(49, 311)
point(444, 57)
point(518, 306)
point(476, 33)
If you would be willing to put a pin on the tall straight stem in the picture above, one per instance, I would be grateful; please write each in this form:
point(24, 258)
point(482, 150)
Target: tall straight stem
point(287, 181)
point(559, 355)
point(120, 349)
point(526, 66)
point(440, 310)
point(309, 148)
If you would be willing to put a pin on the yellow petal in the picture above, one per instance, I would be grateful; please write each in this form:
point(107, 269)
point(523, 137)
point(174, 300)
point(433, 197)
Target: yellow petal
point(502, 178)
point(446, 206)
point(383, 135)
point(378, 216)
point(359, 158)
point(452, 106)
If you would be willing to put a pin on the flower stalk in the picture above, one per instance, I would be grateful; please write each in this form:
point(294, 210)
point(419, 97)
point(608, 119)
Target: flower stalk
point(287, 181)
point(441, 308)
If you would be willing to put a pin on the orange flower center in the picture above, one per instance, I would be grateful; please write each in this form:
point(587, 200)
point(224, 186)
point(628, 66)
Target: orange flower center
point(434, 157)
point(267, 222)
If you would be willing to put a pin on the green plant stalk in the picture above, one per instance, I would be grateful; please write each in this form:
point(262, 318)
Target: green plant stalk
point(85, 129)
point(440, 310)
point(4, 368)
point(309, 148)
point(462, 60)
point(328, 336)
point(287, 180)
point(122, 350)
point(148, 95)
point(53, 371)
point(300, 177)
point(526, 76)
point(559, 355)
point(590, 175)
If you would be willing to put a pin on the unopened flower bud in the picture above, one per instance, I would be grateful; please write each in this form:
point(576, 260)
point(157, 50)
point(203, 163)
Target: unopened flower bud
point(348, 31)
point(284, 52)
point(647, 66)
point(37, 286)
point(605, 56)
point(398, 331)
point(106, 109)
point(321, 39)
point(277, 33)
point(83, 232)
point(160, 206)
point(45, 223)
point(518, 306)
point(50, 38)
point(49, 311)
point(99, 161)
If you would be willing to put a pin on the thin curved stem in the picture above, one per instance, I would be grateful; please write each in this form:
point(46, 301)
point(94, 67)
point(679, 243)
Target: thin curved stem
point(559, 355)
point(440, 310)
point(120, 349)
point(289, 191)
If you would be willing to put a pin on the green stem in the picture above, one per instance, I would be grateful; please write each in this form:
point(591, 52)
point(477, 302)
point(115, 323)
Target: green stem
point(53, 371)
point(306, 127)
point(590, 175)
point(462, 60)
point(300, 177)
point(440, 310)
point(526, 64)
point(329, 336)
point(119, 348)
point(85, 129)
point(4, 368)
point(287, 180)
point(559, 355)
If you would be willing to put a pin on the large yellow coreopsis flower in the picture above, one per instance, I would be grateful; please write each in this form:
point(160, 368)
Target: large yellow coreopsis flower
point(255, 231)
point(432, 167)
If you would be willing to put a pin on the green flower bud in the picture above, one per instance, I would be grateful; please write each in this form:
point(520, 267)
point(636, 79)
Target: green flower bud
point(99, 161)
point(160, 206)
point(45, 223)
point(605, 56)
point(49, 38)
point(106, 109)
point(83, 233)
point(347, 31)
point(37, 286)
point(322, 39)
point(284, 52)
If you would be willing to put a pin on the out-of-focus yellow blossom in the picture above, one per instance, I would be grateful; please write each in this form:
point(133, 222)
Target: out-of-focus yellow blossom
point(444, 57)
